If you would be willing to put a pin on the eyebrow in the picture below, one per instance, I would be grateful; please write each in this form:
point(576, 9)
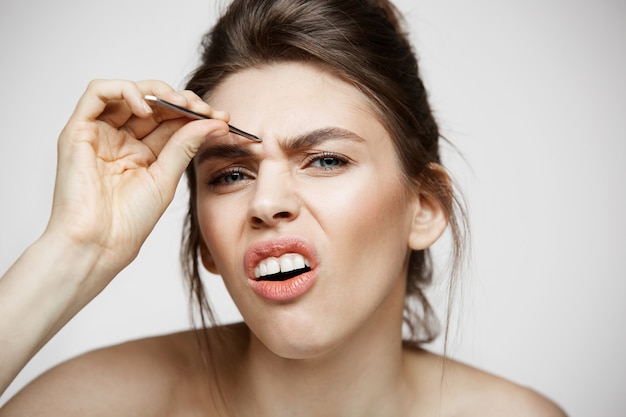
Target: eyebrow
point(229, 151)
point(290, 145)
point(318, 136)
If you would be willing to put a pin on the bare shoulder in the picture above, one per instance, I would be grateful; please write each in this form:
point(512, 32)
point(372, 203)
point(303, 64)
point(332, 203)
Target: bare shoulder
point(143, 377)
point(467, 392)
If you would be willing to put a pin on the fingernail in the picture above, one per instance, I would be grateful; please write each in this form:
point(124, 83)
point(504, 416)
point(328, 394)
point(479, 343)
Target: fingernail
point(146, 107)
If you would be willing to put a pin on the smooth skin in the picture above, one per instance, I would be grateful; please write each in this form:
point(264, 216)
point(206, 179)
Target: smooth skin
point(334, 351)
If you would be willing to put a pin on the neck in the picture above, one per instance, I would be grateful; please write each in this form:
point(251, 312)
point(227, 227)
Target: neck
point(363, 375)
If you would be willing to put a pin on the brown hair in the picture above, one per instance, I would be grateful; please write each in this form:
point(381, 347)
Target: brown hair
point(361, 42)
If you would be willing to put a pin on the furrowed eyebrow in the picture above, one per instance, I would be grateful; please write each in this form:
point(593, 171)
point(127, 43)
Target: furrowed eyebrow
point(291, 145)
point(318, 136)
point(223, 152)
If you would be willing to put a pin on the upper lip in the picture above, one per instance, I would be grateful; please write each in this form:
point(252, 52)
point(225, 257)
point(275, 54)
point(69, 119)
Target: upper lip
point(277, 247)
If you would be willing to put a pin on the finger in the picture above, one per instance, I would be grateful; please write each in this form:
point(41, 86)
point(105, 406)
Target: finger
point(116, 113)
point(141, 127)
point(178, 151)
point(158, 138)
point(198, 105)
point(101, 93)
point(103, 97)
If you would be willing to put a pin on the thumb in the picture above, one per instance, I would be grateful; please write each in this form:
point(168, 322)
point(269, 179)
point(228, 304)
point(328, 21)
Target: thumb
point(179, 151)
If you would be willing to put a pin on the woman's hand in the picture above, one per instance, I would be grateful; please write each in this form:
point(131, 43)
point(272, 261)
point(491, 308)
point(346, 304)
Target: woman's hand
point(119, 165)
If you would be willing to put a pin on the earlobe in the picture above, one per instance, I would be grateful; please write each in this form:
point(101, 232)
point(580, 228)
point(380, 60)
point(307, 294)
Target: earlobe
point(430, 218)
point(207, 259)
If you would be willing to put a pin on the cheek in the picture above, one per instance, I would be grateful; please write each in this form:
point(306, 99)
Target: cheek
point(370, 216)
point(378, 200)
point(366, 257)
point(218, 229)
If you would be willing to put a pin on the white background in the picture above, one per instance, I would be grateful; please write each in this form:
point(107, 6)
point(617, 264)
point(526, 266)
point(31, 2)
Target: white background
point(532, 94)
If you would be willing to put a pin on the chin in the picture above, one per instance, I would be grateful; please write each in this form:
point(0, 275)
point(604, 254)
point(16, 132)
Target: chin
point(301, 350)
point(299, 341)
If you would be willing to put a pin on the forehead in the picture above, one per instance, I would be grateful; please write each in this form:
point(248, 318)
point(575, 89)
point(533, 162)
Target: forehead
point(286, 99)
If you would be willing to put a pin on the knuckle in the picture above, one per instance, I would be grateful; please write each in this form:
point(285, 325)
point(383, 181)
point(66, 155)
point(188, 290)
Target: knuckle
point(94, 84)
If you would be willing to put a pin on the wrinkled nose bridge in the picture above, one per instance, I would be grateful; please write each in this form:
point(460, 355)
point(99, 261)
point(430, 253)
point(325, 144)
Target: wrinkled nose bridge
point(274, 197)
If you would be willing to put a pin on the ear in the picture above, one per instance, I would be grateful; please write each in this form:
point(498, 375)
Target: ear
point(207, 258)
point(430, 218)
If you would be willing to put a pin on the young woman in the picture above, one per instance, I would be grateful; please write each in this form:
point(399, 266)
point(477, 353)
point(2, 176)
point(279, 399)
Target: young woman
point(320, 231)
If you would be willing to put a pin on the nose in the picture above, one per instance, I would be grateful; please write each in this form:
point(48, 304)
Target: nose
point(274, 200)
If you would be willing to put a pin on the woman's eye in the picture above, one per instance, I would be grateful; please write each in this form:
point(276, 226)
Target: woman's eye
point(228, 177)
point(233, 177)
point(327, 161)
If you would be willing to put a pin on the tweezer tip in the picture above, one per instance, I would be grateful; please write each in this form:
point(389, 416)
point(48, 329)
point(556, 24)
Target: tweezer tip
point(251, 137)
point(246, 135)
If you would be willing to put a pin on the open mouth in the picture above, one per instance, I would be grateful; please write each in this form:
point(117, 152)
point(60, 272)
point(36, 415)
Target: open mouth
point(283, 268)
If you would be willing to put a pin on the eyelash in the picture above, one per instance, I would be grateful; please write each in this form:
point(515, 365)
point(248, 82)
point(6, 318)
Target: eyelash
point(342, 160)
point(219, 178)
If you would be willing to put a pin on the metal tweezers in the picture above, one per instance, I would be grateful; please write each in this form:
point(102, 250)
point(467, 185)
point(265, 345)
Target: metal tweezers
point(193, 115)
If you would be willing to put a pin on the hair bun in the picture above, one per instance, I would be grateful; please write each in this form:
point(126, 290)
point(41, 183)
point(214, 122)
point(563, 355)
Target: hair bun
point(391, 12)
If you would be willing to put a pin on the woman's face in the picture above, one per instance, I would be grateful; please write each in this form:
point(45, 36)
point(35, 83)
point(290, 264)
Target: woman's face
point(321, 199)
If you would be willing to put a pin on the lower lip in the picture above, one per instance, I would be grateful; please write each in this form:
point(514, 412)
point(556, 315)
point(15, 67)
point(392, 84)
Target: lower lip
point(284, 290)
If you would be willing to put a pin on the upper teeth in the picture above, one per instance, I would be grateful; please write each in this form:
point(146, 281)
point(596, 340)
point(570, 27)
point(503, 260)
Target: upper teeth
point(286, 263)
